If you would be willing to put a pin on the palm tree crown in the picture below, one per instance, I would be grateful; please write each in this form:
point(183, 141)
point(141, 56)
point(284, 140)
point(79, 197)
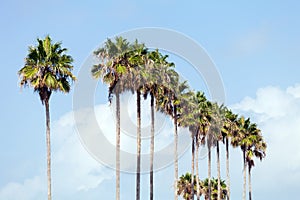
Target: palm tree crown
point(47, 68)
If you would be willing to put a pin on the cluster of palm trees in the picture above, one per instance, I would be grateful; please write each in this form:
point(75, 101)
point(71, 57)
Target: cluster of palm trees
point(132, 67)
point(126, 66)
point(227, 128)
point(184, 187)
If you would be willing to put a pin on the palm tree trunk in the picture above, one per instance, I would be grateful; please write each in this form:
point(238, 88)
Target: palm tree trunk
point(219, 171)
point(175, 152)
point(118, 146)
point(244, 170)
point(197, 171)
point(152, 147)
point(209, 168)
point(48, 148)
point(227, 169)
point(249, 183)
point(138, 166)
point(193, 165)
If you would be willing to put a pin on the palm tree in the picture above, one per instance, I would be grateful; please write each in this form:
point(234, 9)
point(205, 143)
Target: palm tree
point(243, 143)
point(185, 186)
point(155, 63)
point(47, 69)
point(168, 101)
point(248, 135)
point(214, 189)
point(210, 142)
point(195, 115)
point(112, 68)
point(202, 124)
point(229, 127)
point(137, 71)
point(218, 119)
point(188, 112)
point(257, 149)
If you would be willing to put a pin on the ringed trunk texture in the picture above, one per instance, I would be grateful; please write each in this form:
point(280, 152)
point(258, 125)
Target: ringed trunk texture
point(209, 170)
point(118, 135)
point(138, 166)
point(227, 169)
point(48, 148)
point(219, 171)
point(197, 171)
point(152, 148)
point(249, 183)
point(244, 170)
point(193, 165)
point(175, 153)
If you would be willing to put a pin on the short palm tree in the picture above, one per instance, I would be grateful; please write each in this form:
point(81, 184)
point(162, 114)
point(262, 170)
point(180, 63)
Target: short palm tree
point(47, 69)
point(185, 186)
point(214, 189)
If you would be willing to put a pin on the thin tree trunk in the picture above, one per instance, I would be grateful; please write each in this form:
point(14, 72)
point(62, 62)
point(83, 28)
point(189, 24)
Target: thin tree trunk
point(152, 147)
point(175, 152)
point(244, 170)
point(193, 165)
point(209, 168)
point(48, 148)
point(197, 171)
point(219, 171)
point(138, 166)
point(227, 169)
point(118, 135)
point(249, 183)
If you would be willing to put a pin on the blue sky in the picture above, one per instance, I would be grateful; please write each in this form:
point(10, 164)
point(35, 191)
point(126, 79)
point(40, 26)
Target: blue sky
point(255, 46)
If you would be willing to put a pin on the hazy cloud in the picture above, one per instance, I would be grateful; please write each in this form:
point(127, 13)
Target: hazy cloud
point(277, 113)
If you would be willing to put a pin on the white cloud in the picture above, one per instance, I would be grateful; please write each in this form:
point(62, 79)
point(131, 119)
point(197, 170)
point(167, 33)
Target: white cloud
point(30, 189)
point(74, 170)
point(277, 114)
point(76, 174)
point(73, 167)
point(270, 103)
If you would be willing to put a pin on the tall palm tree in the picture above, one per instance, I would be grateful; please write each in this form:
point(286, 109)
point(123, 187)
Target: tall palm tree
point(229, 127)
point(151, 85)
point(138, 61)
point(47, 69)
point(257, 149)
point(210, 140)
point(248, 133)
point(195, 116)
point(218, 119)
point(202, 123)
point(169, 95)
point(188, 113)
point(243, 143)
point(111, 69)
point(152, 75)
